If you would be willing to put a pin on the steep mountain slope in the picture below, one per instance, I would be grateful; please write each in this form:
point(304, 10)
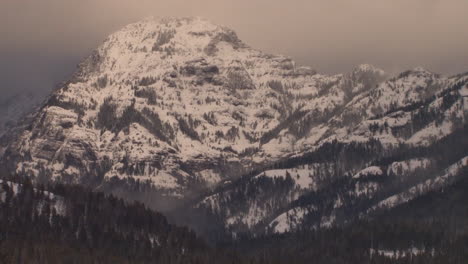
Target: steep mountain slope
point(180, 104)
point(363, 160)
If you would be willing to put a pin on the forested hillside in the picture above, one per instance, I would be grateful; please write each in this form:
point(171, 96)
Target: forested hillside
point(69, 224)
point(430, 229)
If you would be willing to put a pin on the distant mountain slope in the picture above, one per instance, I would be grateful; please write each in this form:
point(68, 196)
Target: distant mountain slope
point(429, 229)
point(344, 179)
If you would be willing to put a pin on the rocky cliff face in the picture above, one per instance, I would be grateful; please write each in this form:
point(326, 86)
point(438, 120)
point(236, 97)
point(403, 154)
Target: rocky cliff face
point(177, 101)
point(181, 106)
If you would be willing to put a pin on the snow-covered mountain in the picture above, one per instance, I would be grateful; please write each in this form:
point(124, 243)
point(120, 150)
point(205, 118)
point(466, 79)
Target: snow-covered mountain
point(162, 93)
point(182, 108)
point(389, 145)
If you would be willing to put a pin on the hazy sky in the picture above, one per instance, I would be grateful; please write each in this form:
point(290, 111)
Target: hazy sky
point(41, 41)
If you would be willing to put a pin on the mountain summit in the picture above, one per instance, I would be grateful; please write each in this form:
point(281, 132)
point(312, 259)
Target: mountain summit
point(175, 107)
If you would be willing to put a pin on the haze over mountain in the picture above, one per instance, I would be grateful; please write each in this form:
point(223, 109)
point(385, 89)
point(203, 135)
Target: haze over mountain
point(45, 39)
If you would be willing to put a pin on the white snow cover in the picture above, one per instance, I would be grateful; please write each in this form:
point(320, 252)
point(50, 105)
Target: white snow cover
point(397, 253)
point(406, 167)
point(464, 91)
point(255, 214)
point(421, 188)
point(302, 177)
point(327, 221)
point(374, 170)
point(56, 200)
point(288, 220)
point(367, 189)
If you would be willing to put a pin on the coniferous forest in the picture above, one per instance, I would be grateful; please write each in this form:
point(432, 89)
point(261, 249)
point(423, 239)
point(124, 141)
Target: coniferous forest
point(58, 223)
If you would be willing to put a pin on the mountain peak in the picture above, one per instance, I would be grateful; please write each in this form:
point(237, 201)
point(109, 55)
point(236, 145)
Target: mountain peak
point(365, 67)
point(368, 68)
point(153, 42)
point(185, 31)
point(418, 72)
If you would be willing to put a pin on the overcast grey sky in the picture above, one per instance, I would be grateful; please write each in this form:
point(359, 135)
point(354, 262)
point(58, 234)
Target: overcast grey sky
point(41, 41)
